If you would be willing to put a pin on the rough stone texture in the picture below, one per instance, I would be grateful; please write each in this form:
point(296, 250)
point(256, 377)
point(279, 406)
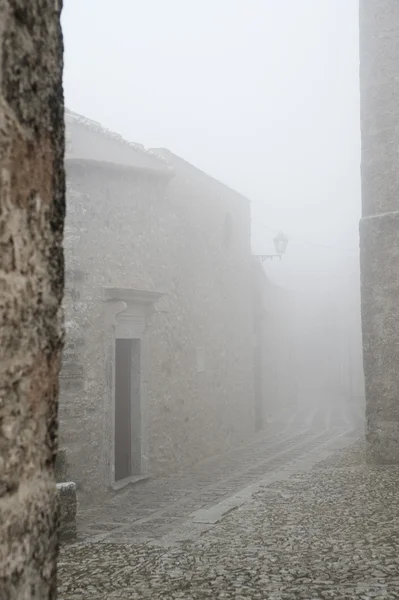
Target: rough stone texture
point(327, 533)
point(31, 287)
point(134, 227)
point(379, 228)
point(67, 497)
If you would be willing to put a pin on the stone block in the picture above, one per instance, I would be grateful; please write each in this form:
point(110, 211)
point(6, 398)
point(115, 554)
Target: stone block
point(68, 504)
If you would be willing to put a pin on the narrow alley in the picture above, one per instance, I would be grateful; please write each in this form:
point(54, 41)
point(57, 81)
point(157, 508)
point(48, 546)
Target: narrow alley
point(199, 340)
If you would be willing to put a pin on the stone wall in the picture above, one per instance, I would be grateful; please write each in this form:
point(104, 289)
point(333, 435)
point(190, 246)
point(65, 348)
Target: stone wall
point(129, 228)
point(379, 227)
point(209, 304)
point(113, 229)
point(31, 287)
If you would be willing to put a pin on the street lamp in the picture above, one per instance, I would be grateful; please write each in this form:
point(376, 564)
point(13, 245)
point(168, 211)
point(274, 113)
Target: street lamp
point(280, 244)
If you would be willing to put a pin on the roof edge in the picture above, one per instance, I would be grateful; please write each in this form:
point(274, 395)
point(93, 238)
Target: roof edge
point(108, 133)
point(159, 151)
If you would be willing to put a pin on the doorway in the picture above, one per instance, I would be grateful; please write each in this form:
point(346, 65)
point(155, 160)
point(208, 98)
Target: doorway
point(127, 433)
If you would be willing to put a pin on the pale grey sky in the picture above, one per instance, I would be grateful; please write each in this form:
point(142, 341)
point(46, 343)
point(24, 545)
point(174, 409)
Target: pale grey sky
point(262, 94)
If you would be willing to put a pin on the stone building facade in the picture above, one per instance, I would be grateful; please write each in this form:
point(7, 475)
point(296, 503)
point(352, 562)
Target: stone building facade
point(32, 209)
point(158, 361)
point(379, 227)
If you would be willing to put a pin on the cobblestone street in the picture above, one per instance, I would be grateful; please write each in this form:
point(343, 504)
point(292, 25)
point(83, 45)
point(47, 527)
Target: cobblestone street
point(149, 509)
point(296, 514)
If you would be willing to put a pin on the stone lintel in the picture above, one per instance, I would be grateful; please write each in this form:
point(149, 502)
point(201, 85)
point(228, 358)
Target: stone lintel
point(130, 295)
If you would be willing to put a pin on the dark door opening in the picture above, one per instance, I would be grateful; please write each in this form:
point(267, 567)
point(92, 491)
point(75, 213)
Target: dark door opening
point(127, 408)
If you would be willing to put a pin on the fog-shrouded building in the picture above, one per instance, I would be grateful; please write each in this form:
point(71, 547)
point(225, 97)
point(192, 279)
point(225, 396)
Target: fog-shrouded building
point(379, 226)
point(158, 362)
point(275, 356)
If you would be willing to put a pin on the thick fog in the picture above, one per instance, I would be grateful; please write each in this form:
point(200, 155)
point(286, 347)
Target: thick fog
point(262, 95)
point(199, 393)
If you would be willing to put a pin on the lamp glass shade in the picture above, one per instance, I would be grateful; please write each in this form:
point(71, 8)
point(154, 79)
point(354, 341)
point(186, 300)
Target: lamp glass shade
point(280, 243)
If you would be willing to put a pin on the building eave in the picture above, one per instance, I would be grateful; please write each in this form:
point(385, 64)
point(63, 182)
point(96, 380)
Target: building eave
point(167, 175)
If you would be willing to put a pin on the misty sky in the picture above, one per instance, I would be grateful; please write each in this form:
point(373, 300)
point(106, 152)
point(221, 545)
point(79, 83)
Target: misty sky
point(262, 94)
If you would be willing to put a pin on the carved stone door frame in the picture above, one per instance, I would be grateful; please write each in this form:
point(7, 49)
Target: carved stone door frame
point(126, 317)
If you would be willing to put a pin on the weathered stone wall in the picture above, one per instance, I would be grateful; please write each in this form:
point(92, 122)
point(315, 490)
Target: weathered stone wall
point(210, 306)
point(31, 287)
point(133, 229)
point(113, 238)
point(379, 227)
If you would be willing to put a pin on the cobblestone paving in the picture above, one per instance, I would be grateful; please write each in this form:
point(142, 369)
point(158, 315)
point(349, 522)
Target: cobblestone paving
point(328, 533)
point(150, 509)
